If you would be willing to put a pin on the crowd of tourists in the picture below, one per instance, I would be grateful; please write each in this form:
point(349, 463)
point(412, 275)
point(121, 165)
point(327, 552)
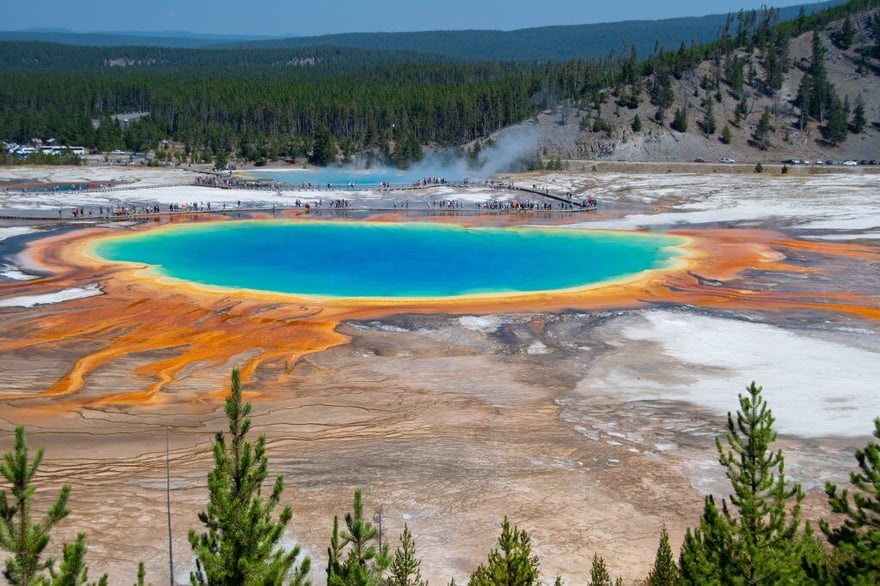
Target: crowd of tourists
point(233, 182)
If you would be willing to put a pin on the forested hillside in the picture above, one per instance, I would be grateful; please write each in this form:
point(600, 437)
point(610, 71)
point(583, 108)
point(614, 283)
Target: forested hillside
point(126, 39)
point(264, 104)
point(551, 43)
point(764, 90)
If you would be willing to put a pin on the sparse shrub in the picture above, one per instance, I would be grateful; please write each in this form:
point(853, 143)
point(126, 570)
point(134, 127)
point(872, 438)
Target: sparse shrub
point(759, 168)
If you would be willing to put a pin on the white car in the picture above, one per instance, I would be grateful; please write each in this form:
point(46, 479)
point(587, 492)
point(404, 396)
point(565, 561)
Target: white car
point(727, 160)
point(849, 163)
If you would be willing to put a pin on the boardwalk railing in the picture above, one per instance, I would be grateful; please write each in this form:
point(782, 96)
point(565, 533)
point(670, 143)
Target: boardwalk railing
point(567, 201)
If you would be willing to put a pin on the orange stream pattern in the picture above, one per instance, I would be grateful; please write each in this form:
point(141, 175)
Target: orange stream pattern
point(192, 328)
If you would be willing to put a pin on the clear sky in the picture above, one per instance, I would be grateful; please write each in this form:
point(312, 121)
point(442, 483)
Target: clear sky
point(314, 17)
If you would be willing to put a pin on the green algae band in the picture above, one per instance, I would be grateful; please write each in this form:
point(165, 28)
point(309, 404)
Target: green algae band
point(339, 259)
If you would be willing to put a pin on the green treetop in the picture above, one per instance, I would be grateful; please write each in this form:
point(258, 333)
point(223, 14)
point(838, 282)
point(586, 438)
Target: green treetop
point(856, 542)
point(757, 538)
point(512, 564)
point(26, 539)
point(366, 562)
point(599, 575)
point(680, 121)
point(241, 542)
point(664, 572)
point(406, 567)
point(859, 121)
point(837, 126)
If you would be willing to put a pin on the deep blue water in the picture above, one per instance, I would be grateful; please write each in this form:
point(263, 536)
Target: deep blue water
point(342, 259)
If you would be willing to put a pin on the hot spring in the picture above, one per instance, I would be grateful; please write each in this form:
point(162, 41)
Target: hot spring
point(345, 176)
point(381, 260)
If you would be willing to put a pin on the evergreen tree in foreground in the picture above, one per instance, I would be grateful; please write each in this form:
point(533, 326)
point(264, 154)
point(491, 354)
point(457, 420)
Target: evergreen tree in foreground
point(365, 563)
point(73, 570)
point(25, 539)
point(757, 538)
point(856, 542)
point(664, 572)
point(512, 564)
point(406, 567)
point(241, 542)
point(599, 575)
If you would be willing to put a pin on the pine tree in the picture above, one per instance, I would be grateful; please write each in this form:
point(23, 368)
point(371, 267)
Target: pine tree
point(815, 94)
point(847, 32)
point(859, 121)
point(837, 127)
point(241, 544)
point(599, 575)
point(660, 116)
point(73, 570)
point(25, 539)
point(365, 563)
point(323, 147)
point(709, 125)
point(334, 552)
point(762, 130)
point(680, 121)
point(734, 76)
point(741, 111)
point(221, 160)
point(142, 576)
point(726, 135)
point(636, 124)
point(707, 549)
point(512, 564)
point(19, 535)
point(856, 542)
point(405, 567)
point(756, 540)
point(664, 572)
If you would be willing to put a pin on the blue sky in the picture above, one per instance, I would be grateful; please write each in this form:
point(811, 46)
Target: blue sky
point(313, 17)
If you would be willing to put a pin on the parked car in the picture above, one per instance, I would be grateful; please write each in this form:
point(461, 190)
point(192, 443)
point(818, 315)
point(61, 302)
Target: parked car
point(849, 163)
point(727, 160)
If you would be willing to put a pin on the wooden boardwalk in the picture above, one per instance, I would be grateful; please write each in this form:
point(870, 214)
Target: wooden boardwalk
point(570, 204)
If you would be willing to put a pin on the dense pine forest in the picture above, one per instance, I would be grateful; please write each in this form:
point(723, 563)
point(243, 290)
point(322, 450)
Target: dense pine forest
point(757, 537)
point(330, 103)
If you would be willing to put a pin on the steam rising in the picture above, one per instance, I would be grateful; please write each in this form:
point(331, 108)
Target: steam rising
point(514, 150)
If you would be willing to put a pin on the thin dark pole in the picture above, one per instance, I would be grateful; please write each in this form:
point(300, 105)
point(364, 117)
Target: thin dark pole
point(378, 518)
point(168, 507)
